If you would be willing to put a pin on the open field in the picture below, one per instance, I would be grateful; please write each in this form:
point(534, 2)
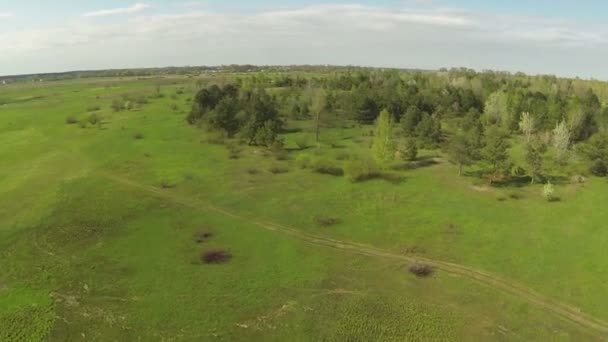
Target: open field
point(98, 230)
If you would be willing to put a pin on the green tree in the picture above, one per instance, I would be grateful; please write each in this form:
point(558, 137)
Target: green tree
point(318, 106)
point(495, 110)
point(383, 147)
point(561, 139)
point(534, 159)
point(527, 125)
point(410, 120)
point(408, 149)
point(462, 150)
point(495, 151)
point(428, 131)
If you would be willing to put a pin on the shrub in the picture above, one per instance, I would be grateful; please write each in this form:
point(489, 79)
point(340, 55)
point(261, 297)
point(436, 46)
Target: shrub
point(302, 142)
point(234, 151)
point(342, 156)
point(253, 171)
point(142, 100)
point(82, 123)
point(408, 150)
point(325, 221)
point(138, 135)
point(549, 192)
point(421, 270)
point(93, 108)
point(304, 160)
point(166, 184)
point(174, 107)
point(360, 170)
point(278, 151)
point(276, 169)
point(94, 119)
point(117, 105)
point(578, 179)
point(215, 256)
point(599, 168)
point(70, 120)
point(203, 236)
point(515, 195)
point(217, 138)
point(327, 167)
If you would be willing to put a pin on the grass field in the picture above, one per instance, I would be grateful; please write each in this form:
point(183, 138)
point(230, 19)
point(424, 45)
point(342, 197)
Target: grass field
point(98, 228)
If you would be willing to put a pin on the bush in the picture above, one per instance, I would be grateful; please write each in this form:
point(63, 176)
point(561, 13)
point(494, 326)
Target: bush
point(253, 171)
point(302, 142)
point(117, 105)
point(327, 167)
point(70, 120)
point(166, 184)
point(325, 221)
point(360, 170)
point(304, 160)
point(94, 119)
point(234, 151)
point(215, 256)
point(599, 168)
point(93, 108)
point(174, 107)
point(549, 192)
point(421, 270)
point(276, 169)
point(203, 236)
point(278, 151)
point(342, 156)
point(408, 150)
point(142, 100)
point(515, 195)
point(138, 135)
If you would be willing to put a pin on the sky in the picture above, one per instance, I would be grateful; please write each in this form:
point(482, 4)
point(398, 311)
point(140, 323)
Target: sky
point(561, 37)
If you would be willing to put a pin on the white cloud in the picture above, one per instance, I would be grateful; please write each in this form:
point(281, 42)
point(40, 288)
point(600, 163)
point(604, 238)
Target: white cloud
point(6, 14)
point(124, 10)
point(321, 34)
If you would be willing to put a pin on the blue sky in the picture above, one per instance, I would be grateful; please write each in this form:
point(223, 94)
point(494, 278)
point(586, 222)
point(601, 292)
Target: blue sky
point(556, 37)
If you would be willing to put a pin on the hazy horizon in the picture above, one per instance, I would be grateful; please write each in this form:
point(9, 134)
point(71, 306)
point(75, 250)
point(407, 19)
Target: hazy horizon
point(546, 37)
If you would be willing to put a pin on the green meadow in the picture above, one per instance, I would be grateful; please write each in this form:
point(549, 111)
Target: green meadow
point(104, 221)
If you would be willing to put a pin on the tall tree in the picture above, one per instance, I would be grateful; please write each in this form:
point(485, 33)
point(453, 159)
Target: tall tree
point(527, 125)
point(561, 139)
point(534, 159)
point(318, 105)
point(383, 146)
point(495, 151)
point(462, 151)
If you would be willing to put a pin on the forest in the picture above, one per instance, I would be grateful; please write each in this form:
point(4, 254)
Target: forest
point(473, 118)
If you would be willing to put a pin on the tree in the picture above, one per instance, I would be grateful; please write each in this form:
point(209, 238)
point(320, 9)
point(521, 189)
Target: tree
point(495, 110)
point(428, 131)
point(462, 151)
point(408, 149)
point(534, 159)
point(549, 192)
point(495, 150)
point(527, 125)
point(410, 120)
point(383, 148)
point(318, 108)
point(596, 152)
point(561, 139)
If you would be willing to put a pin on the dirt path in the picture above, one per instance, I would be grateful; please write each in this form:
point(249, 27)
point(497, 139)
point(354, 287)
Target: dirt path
point(563, 311)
